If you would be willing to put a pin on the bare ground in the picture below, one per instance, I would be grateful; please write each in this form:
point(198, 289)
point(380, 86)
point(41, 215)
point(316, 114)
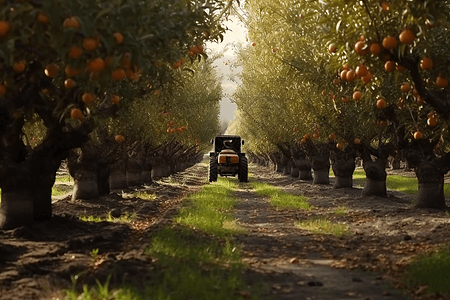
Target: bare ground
point(35, 263)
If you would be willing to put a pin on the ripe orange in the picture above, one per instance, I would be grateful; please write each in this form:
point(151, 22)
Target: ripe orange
point(332, 136)
point(71, 22)
point(115, 99)
point(344, 75)
point(2, 90)
point(432, 121)
point(43, 18)
point(375, 49)
point(384, 5)
point(88, 98)
point(359, 47)
point(274, 50)
point(307, 136)
point(5, 27)
point(346, 67)
point(441, 81)
point(190, 53)
point(119, 138)
point(19, 66)
point(381, 103)
point(176, 65)
point(357, 141)
point(419, 100)
point(332, 48)
point(361, 70)
point(118, 74)
point(350, 75)
point(406, 87)
point(96, 65)
point(71, 72)
point(69, 83)
point(400, 68)
point(426, 64)
point(118, 38)
point(339, 145)
point(90, 44)
point(345, 99)
point(303, 141)
point(415, 92)
point(75, 52)
point(389, 66)
point(51, 70)
point(366, 79)
point(357, 95)
point(389, 42)
point(407, 36)
point(126, 60)
point(76, 113)
point(315, 135)
point(418, 135)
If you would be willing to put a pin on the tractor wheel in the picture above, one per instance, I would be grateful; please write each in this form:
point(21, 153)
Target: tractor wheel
point(213, 170)
point(243, 169)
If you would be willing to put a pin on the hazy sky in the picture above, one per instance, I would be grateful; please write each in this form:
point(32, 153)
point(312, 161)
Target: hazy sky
point(236, 34)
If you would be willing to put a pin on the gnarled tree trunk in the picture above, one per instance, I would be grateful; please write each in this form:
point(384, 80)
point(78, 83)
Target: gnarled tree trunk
point(343, 164)
point(374, 164)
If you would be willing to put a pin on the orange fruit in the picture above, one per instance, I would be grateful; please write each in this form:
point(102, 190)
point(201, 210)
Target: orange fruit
point(336, 81)
point(90, 44)
point(5, 27)
point(350, 75)
point(441, 81)
point(366, 79)
point(51, 70)
point(75, 52)
point(303, 141)
point(115, 99)
point(400, 68)
point(118, 38)
point(346, 67)
point(307, 136)
point(339, 145)
point(406, 87)
point(274, 50)
point(359, 47)
point(426, 64)
point(375, 49)
point(88, 98)
point(71, 72)
point(119, 138)
point(332, 136)
point(384, 5)
point(344, 75)
point(19, 66)
point(2, 90)
point(76, 113)
point(381, 103)
point(315, 135)
point(96, 65)
point(345, 99)
point(407, 36)
point(361, 70)
point(389, 66)
point(418, 135)
point(190, 53)
point(71, 22)
point(200, 48)
point(389, 42)
point(419, 100)
point(43, 18)
point(332, 48)
point(415, 92)
point(126, 60)
point(357, 141)
point(432, 121)
point(430, 25)
point(176, 65)
point(69, 83)
point(118, 74)
point(357, 95)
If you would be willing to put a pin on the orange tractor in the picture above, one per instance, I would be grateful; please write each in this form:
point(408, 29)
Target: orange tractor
point(227, 158)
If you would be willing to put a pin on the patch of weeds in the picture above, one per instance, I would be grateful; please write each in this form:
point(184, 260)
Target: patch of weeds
point(61, 189)
point(127, 217)
point(94, 254)
point(208, 209)
point(279, 198)
point(447, 214)
point(144, 195)
point(431, 269)
point(63, 178)
point(322, 225)
point(341, 210)
point(91, 219)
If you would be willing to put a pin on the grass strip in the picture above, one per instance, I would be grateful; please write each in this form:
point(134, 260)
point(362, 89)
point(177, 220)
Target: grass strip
point(431, 270)
point(279, 198)
point(321, 225)
point(194, 259)
point(409, 185)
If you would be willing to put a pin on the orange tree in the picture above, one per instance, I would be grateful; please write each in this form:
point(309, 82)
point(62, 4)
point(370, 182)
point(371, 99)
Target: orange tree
point(331, 44)
point(62, 61)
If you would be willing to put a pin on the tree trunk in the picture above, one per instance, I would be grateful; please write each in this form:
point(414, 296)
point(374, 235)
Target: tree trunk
point(118, 175)
point(294, 171)
point(134, 172)
point(321, 169)
point(16, 208)
point(431, 185)
point(343, 164)
point(375, 184)
point(84, 170)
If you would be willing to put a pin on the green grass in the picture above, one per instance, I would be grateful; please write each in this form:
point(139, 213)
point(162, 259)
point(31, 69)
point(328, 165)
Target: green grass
point(196, 258)
point(322, 225)
point(64, 178)
point(400, 183)
point(60, 190)
point(279, 198)
point(340, 210)
point(125, 218)
point(432, 270)
point(144, 195)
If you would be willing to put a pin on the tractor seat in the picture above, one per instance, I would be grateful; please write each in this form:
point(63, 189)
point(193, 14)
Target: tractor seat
point(227, 151)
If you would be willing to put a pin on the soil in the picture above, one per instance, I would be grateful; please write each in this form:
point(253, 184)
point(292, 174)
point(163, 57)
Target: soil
point(385, 233)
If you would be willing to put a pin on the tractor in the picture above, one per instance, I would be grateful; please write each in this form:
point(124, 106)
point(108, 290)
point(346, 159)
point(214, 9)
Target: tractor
point(227, 158)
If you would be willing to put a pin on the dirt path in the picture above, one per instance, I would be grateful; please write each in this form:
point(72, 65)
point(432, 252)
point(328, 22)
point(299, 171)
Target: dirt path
point(385, 234)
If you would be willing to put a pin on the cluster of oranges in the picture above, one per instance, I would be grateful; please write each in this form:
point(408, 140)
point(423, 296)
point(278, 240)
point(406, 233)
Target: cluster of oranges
point(349, 74)
point(171, 129)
